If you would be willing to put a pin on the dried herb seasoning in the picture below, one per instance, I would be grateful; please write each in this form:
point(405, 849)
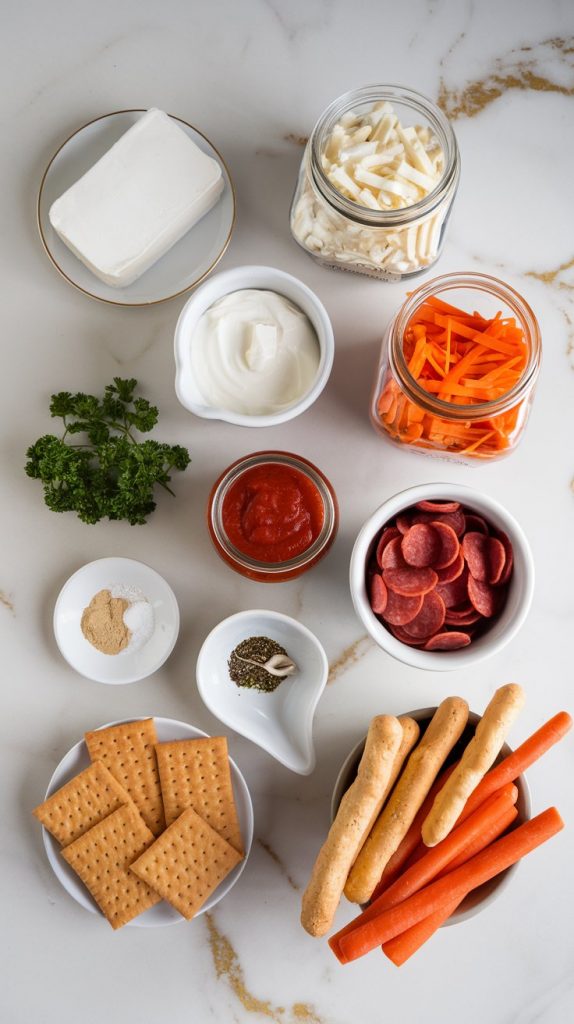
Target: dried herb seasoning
point(260, 663)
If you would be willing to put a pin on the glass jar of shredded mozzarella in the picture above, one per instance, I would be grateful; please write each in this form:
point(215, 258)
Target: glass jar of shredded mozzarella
point(377, 183)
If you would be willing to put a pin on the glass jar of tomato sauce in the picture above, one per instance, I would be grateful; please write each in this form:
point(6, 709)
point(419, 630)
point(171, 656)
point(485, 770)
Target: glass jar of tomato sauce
point(458, 369)
point(272, 516)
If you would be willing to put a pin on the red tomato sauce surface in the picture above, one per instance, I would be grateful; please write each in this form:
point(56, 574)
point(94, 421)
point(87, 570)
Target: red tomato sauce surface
point(272, 513)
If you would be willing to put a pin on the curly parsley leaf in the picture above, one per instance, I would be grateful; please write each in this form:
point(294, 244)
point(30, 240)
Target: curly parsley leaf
point(111, 474)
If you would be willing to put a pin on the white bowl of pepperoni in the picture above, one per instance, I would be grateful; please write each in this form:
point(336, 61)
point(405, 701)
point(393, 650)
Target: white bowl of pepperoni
point(442, 576)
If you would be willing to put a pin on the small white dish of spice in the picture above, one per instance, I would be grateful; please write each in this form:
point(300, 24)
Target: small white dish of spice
point(262, 674)
point(116, 621)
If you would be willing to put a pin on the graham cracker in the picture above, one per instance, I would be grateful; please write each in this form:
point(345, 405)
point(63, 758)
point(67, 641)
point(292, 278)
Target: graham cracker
point(102, 858)
point(128, 751)
point(81, 803)
point(196, 773)
point(186, 863)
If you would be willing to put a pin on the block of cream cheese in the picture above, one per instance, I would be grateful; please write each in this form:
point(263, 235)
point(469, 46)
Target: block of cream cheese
point(140, 198)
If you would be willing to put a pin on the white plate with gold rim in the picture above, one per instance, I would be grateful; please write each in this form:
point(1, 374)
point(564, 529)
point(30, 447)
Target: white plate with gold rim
point(77, 759)
point(187, 263)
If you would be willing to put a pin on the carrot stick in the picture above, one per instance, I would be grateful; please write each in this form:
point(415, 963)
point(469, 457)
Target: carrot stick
point(496, 858)
point(509, 793)
point(412, 838)
point(404, 945)
point(408, 942)
point(516, 763)
point(420, 874)
point(496, 829)
point(438, 857)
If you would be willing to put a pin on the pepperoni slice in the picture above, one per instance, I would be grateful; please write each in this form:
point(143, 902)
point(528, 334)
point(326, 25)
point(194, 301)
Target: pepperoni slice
point(456, 520)
point(466, 617)
point(475, 548)
point(496, 560)
point(392, 557)
point(430, 618)
point(453, 571)
point(388, 534)
point(404, 637)
point(378, 593)
point(411, 582)
point(439, 506)
point(456, 592)
point(475, 524)
point(447, 641)
point(404, 522)
point(508, 565)
point(449, 545)
point(421, 546)
point(483, 597)
point(400, 610)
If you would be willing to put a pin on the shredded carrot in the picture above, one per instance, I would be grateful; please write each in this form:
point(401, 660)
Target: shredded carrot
point(464, 359)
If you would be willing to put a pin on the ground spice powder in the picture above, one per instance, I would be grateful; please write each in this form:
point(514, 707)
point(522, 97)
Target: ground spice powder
point(103, 623)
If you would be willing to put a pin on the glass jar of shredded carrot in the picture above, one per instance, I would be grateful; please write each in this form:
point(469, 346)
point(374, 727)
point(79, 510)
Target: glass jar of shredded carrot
point(458, 369)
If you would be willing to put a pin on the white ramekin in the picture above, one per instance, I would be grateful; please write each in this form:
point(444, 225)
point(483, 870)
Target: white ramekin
point(270, 279)
point(520, 591)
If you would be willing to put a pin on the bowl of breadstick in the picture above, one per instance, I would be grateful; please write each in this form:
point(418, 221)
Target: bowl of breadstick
point(430, 816)
point(479, 898)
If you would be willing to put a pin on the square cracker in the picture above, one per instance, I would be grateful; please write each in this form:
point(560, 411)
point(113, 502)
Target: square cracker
point(102, 858)
point(196, 773)
point(128, 751)
point(81, 803)
point(186, 863)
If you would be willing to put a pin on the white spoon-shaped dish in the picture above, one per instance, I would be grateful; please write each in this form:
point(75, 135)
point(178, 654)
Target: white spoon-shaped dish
point(280, 722)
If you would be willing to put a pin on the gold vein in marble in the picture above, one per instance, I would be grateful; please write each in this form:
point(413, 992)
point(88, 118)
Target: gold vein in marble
point(350, 656)
point(521, 69)
point(553, 276)
point(296, 140)
point(275, 857)
point(6, 601)
point(570, 329)
point(227, 966)
point(304, 1014)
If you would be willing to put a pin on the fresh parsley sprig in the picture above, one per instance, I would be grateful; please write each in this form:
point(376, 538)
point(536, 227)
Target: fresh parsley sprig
point(112, 473)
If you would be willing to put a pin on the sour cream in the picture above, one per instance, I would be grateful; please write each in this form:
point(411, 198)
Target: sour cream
point(254, 352)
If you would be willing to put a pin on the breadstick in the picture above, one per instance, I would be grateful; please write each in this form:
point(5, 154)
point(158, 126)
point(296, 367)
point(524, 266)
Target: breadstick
point(322, 895)
point(411, 732)
point(445, 728)
point(478, 757)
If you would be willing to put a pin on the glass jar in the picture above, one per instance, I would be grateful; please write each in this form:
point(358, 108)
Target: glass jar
point(404, 410)
point(387, 244)
point(246, 564)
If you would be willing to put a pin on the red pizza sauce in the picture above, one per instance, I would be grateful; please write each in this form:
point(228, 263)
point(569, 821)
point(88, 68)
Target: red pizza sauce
point(272, 512)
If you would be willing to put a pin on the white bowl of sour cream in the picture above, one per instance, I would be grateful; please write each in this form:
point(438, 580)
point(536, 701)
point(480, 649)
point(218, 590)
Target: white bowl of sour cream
point(253, 346)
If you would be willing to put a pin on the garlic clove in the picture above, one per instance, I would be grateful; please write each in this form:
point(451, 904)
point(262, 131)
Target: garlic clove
point(280, 665)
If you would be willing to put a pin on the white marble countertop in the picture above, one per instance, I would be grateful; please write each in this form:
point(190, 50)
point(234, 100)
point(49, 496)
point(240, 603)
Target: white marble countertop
point(254, 76)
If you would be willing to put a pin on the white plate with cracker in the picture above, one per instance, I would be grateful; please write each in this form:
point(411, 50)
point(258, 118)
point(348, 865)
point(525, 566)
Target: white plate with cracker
point(77, 759)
